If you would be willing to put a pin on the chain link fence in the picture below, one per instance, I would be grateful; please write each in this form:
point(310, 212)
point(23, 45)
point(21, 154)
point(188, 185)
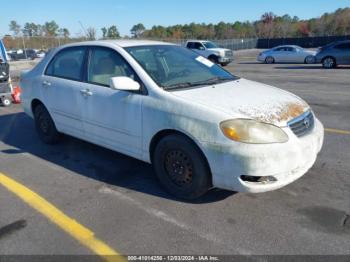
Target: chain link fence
point(39, 43)
point(233, 44)
point(46, 43)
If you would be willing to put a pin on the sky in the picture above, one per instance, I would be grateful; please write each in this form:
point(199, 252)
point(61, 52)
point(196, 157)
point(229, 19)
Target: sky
point(124, 14)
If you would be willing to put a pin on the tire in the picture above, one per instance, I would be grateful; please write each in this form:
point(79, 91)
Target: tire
point(213, 59)
point(310, 60)
point(181, 167)
point(45, 126)
point(6, 101)
point(329, 63)
point(269, 60)
point(224, 64)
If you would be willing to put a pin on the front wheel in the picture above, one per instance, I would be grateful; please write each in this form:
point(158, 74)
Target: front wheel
point(329, 63)
point(45, 126)
point(181, 167)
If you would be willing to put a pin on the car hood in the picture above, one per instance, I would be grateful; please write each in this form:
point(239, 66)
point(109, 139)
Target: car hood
point(248, 99)
point(311, 52)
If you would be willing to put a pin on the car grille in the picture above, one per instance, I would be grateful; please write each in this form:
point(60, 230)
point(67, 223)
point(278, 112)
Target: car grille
point(228, 53)
point(303, 124)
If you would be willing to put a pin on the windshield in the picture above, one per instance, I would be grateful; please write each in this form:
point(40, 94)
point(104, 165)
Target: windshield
point(174, 67)
point(210, 45)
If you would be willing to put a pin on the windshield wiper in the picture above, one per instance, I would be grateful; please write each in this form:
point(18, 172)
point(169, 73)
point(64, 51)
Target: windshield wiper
point(210, 81)
point(213, 80)
point(180, 85)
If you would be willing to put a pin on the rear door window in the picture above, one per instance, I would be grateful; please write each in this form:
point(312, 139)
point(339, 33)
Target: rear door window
point(280, 49)
point(68, 64)
point(190, 45)
point(198, 46)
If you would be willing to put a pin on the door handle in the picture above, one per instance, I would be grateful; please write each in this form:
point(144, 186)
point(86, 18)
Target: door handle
point(86, 92)
point(46, 84)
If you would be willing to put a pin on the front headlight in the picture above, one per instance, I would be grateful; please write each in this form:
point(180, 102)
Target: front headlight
point(253, 132)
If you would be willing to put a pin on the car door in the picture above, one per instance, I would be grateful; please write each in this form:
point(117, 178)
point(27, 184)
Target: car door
point(294, 55)
point(288, 55)
point(200, 49)
point(342, 53)
point(61, 85)
point(111, 118)
point(278, 54)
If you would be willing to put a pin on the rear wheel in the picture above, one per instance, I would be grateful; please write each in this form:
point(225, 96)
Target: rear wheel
point(45, 126)
point(181, 167)
point(269, 60)
point(6, 101)
point(329, 63)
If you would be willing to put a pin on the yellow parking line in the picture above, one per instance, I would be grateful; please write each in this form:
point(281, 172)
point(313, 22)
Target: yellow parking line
point(69, 225)
point(337, 131)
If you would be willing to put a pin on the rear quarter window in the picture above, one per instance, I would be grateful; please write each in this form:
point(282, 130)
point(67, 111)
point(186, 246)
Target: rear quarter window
point(68, 64)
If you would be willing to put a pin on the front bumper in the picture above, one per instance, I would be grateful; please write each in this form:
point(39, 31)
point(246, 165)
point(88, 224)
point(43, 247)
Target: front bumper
point(284, 162)
point(225, 60)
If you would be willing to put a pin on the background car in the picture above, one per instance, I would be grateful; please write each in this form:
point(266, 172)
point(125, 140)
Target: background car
point(210, 50)
point(337, 53)
point(41, 54)
point(287, 54)
point(23, 54)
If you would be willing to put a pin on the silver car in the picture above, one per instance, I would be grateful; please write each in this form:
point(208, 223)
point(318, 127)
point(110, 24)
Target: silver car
point(287, 54)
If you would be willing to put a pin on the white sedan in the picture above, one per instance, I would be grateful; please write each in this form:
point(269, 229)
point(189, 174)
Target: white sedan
point(200, 126)
point(287, 54)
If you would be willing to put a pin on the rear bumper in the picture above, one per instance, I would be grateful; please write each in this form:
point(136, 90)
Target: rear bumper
point(261, 58)
point(284, 162)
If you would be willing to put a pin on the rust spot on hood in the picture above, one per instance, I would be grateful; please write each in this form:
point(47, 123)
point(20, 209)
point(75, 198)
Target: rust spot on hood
point(290, 111)
point(275, 114)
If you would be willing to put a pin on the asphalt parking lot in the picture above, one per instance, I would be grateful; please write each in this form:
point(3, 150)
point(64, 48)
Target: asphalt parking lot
point(120, 201)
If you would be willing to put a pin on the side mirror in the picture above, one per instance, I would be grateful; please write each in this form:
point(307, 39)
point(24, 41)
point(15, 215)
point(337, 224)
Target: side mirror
point(124, 83)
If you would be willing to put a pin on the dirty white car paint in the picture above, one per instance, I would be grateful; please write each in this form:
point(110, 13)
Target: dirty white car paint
point(127, 121)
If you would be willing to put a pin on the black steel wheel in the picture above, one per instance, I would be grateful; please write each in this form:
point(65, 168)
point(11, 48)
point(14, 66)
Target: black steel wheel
point(181, 167)
point(45, 126)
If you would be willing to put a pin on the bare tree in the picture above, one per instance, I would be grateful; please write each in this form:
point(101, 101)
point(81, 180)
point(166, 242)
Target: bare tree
point(91, 33)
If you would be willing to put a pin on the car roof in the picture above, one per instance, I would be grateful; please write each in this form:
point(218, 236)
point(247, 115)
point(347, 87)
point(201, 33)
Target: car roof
point(201, 41)
point(288, 46)
point(340, 42)
point(120, 43)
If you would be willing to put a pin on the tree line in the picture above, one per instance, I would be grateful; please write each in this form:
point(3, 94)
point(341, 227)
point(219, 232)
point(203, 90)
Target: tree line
point(48, 29)
point(268, 26)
